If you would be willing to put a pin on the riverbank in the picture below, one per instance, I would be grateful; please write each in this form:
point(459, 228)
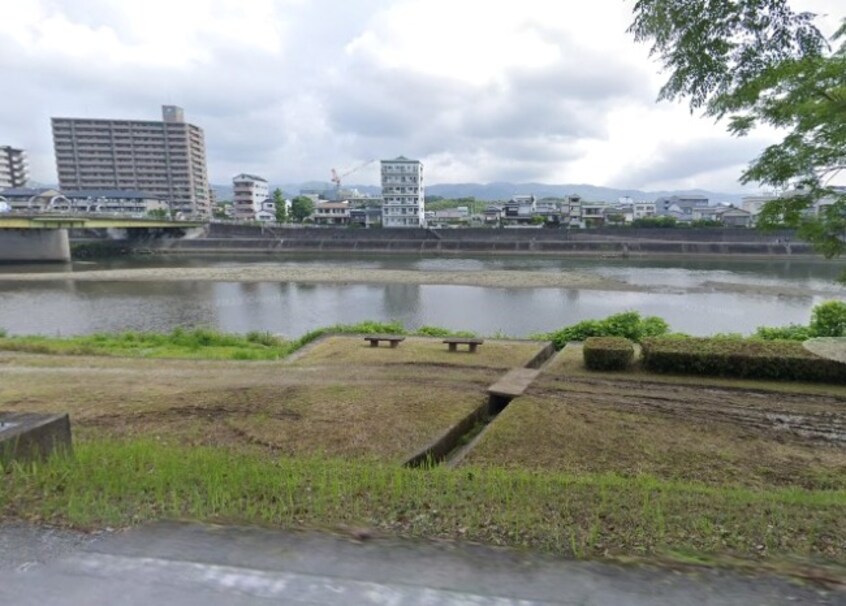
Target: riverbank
point(326, 274)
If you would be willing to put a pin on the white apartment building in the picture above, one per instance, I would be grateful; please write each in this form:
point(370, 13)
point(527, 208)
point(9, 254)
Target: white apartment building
point(13, 167)
point(249, 194)
point(402, 193)
point(642, 210)
point(165, 158)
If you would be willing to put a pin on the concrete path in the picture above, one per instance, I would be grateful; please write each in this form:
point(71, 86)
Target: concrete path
point(513, 383)
point(192, 564)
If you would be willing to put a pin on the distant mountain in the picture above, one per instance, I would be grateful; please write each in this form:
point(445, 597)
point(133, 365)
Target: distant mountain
point(504, 191)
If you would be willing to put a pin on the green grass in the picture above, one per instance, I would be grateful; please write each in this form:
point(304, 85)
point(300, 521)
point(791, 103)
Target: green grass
point(121, 483)
point(198, 343)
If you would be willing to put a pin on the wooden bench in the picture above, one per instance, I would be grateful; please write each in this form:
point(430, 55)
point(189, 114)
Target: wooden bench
point(471, 344)
point(394, 340)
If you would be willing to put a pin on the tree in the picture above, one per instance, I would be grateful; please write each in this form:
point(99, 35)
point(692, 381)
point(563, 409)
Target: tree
point(301, 208)
point(281, 206)
point(754, 63)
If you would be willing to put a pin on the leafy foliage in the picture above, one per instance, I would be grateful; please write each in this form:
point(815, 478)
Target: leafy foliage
point(745, 358)
point(301, 208)
point(759, 63)
point(829, 319)
point(281, 206)
point(628, 324)
point(607, 353)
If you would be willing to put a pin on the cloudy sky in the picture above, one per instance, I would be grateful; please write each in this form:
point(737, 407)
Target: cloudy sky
point(480, 90)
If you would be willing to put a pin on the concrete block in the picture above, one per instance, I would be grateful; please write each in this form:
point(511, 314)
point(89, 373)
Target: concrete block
point(28, 436)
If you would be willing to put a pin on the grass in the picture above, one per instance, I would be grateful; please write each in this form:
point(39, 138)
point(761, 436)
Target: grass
point(199, 343)
point(414, 350)
point(626, 432)
point(585, 515)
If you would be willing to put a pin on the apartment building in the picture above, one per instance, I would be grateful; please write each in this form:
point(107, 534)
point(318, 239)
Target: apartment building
point(249, 195)
point(402, 193)
point(165, 158)
point(14, 171)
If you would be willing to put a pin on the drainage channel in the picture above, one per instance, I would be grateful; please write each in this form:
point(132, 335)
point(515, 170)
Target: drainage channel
point(451, 447)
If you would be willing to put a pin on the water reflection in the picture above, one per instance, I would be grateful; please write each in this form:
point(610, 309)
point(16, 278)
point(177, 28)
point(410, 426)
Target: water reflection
point(69, 307)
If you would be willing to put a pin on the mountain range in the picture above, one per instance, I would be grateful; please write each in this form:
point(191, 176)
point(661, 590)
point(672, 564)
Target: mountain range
point(505, 190)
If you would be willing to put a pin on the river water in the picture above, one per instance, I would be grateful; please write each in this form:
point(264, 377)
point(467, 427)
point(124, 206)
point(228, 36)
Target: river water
point(74, 307)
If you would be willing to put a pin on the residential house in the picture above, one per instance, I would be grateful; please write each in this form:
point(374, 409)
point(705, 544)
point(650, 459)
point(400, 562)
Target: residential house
point(331, 213)
point(520, 209)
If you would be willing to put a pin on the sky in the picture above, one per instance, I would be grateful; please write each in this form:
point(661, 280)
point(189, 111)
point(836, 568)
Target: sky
point(479, 90)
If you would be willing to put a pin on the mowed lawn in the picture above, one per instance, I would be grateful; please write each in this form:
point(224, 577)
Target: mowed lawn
point(724, 432)
point(492, 354)
point(353, 406)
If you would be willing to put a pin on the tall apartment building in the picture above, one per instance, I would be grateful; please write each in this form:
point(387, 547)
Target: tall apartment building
point(402, 193)
point(249, 195)
point(165, 158)
point(13, 167)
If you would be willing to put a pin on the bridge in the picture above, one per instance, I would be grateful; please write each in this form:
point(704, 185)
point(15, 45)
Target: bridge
point(31, 238)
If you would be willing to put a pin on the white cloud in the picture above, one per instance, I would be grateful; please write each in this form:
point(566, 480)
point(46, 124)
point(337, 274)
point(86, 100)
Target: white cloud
point(532, 90)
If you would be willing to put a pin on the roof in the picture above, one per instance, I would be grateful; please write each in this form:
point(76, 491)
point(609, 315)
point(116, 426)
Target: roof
point(126, 194)
point(403, 159)
point(27, 191)
point(343, 205)
point(248, 177)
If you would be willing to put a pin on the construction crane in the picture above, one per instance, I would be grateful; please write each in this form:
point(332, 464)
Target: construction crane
point(336, 178)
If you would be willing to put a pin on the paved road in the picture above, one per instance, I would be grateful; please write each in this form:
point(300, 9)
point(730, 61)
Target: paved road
point(192, 564)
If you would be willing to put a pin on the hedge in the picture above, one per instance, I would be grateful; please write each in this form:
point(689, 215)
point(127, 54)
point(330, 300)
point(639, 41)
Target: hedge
point(779, 360)
point(608, 353)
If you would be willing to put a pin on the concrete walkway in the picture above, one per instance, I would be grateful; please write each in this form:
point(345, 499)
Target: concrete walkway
point(192, 564)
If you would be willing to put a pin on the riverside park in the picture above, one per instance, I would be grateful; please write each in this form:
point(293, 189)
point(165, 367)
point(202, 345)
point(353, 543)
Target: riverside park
point(610, 440)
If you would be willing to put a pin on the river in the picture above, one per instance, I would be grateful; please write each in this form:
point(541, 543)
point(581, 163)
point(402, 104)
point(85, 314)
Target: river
point(689, 294)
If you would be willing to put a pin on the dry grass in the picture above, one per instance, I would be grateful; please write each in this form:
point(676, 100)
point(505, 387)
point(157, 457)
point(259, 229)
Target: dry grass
point(385, 412)
point(343, 351)
point(714, 431)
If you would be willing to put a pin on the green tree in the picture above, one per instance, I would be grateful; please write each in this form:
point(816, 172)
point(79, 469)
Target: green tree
point(301, 208)
point(760, 63)
point(281, 207)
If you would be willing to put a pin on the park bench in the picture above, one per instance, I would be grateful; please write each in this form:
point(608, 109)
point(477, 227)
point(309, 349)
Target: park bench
point(471, 344)
point(394, 340)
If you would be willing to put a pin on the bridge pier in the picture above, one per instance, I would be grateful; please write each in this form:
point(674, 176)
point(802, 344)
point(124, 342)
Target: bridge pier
point(34, 246)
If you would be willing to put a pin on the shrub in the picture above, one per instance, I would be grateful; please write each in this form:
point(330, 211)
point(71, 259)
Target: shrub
point(3, 333)
point(608, 353)
point(829, 319)
point(751, 359)
point(628, 324)
point(263, 338)
point(437, 331)
point(791, 332)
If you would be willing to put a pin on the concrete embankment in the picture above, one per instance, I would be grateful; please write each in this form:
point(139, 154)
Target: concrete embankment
point(245, 239)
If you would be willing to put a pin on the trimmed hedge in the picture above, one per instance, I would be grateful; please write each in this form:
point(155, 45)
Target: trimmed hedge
point(608, 353)
point(749, 359)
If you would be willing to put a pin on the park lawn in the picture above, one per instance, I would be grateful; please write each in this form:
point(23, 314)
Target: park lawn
point(592, 432)
point(267, 407)
point(354, 350)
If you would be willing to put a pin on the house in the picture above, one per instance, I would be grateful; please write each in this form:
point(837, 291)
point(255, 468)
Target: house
point(331, 213)
point(520, 209)
point(115, 201)
point(492, 215)
point(735, 217)
point(643, 210)
point(366, 216)
point(683, 204)
point(593, 213)
point(34, 200)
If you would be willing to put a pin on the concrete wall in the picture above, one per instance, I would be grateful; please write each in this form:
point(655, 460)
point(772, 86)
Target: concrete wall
point(225, 230)
point(34, 245)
